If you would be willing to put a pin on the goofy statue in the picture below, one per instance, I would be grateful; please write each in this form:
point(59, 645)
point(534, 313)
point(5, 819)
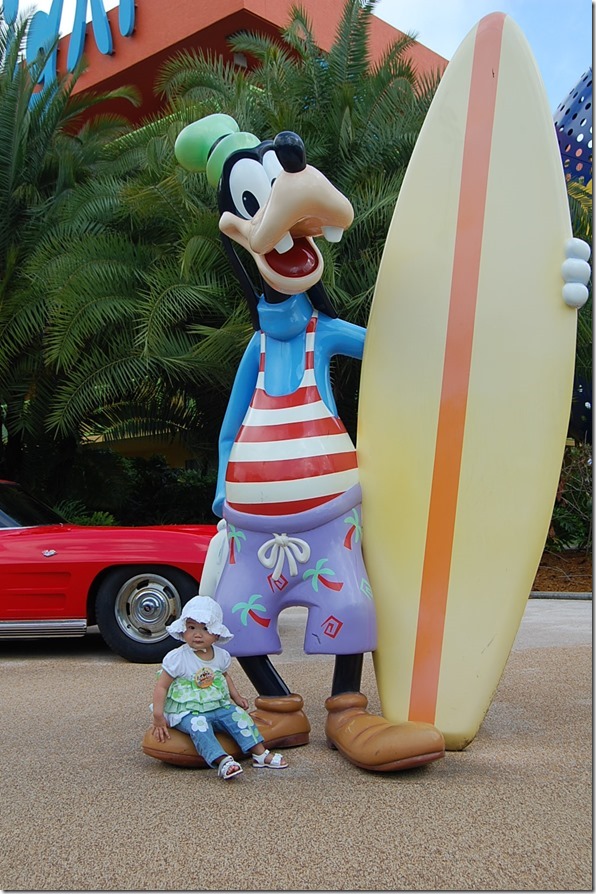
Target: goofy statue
point(287, 489)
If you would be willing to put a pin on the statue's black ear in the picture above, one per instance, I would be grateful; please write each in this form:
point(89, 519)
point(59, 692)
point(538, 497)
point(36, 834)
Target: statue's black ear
point(320, 300)
point(248, 288)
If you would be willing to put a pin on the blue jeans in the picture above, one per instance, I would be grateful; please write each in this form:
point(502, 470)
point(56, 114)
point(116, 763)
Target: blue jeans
point(232, 720)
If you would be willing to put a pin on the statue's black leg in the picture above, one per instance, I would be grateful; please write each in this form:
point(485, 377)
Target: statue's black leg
point(263, 676)
point(278, 712)
point(347, 674)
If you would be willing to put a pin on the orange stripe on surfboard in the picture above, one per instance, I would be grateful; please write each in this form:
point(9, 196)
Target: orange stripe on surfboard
point(456, 369)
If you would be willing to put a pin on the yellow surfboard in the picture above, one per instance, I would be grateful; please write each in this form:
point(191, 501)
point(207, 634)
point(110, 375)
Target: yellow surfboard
point(466, 386)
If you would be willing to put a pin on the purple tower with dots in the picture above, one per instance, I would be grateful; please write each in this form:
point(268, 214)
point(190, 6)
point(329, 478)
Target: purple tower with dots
point(573, 122)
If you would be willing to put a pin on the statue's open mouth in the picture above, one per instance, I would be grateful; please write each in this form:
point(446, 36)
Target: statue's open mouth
point(301, 260)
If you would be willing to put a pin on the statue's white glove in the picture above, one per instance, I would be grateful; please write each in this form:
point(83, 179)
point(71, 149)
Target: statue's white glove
point(576, 272)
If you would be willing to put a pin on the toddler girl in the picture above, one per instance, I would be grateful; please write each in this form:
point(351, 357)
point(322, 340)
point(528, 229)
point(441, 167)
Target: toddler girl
point(194, 692)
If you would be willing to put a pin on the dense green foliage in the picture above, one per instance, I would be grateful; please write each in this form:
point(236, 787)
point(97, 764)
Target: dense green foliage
point(571, 524)
point(141, 490)
point(46, 153)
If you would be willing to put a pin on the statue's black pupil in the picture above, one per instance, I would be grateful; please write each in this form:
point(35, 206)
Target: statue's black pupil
point(250, 202)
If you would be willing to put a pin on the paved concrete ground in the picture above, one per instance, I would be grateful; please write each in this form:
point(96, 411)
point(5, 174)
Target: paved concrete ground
point(84, 809)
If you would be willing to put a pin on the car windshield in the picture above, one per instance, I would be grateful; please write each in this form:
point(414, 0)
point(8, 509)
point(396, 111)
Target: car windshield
point(20, 510)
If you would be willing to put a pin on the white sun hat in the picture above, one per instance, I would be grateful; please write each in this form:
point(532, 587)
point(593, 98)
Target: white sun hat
point(203, 610)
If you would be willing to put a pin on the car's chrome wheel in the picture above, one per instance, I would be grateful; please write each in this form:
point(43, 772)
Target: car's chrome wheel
point(144, 605)
point(135, 604)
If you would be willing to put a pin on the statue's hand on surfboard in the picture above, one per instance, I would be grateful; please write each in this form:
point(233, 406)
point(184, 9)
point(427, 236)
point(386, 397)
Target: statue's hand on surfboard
point(576, 272)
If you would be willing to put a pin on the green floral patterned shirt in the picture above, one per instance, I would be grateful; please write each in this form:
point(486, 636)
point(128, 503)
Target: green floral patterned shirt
point(199, 686)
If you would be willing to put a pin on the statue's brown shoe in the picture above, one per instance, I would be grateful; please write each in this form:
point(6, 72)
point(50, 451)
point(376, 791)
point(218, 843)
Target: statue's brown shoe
point(281, 722)
point(372, 742)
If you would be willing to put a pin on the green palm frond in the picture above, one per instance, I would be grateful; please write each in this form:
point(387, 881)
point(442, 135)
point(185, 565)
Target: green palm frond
point(198, 77)
point(97, 202)
point(203, 254)
point(299, 35)
point(349, 57)
point(157, 412)
point(99, 379)
point(218, 350)
point(21, 322)
point(270, 53)
point(580, 204)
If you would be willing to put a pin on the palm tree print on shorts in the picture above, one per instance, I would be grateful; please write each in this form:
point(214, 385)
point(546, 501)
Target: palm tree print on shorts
point(355, 530)
point(249, 609)
point(319, 574)
point(235, 538)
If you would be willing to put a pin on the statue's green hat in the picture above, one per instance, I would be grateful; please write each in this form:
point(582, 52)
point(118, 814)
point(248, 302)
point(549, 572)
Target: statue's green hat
point(205, 144)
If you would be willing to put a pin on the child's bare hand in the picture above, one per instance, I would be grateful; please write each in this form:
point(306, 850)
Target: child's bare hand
point(242, 702)
point(160, 730)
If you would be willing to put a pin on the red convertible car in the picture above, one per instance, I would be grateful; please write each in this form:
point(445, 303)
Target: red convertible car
point(58, 579)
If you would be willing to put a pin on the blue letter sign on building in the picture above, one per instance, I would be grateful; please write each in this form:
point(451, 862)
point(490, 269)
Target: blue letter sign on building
point(45, 28)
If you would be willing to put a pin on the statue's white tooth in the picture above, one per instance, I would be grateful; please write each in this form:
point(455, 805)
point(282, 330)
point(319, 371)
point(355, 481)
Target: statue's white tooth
point(285, 244)
point(333, 234)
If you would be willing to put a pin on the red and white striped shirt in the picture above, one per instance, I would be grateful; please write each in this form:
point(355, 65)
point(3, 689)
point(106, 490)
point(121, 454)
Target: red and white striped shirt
point(291, 453)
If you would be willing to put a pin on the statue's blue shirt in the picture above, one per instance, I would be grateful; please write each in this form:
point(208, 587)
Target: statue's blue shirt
point(284, 325)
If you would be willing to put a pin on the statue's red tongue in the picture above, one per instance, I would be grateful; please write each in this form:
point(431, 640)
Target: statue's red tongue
point(299, 261)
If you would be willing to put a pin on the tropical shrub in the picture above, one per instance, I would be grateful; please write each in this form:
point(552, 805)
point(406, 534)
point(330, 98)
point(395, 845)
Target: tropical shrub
point(571, 525)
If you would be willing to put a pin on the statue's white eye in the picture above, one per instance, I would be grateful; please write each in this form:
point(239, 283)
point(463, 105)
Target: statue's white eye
point(250, 186)
point(272, 165)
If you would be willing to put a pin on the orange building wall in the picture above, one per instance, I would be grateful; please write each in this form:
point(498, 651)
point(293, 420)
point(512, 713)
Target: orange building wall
point(163, 29)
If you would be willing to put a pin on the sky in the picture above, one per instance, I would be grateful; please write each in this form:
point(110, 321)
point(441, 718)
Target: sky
point(558, 31)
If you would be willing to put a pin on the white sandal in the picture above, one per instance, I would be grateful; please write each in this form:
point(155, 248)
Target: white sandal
point(228, 768)
point(258, 761)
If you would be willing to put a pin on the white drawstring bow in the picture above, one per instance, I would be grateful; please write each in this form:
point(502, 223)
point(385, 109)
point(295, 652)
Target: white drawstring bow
point(274, 552)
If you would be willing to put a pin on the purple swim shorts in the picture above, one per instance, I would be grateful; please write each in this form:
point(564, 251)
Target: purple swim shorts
point(313, 559)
